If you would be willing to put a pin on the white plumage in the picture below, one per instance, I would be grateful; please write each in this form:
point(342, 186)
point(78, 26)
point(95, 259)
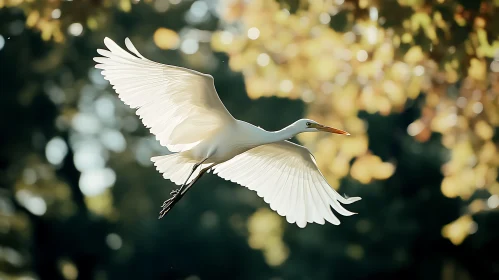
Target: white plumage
point(182, 109)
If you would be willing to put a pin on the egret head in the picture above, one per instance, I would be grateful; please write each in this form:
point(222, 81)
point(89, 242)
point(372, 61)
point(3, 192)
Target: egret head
point(307, 125)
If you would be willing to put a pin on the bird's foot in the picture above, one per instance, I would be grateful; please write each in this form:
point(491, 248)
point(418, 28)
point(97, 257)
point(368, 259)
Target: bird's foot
point(175, 192)
point(168, 204)
point(166, 207)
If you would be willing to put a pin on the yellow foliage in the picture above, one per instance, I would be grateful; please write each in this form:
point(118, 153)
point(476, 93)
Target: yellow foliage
point(414, 55)
point(166, 38)
point(369, 167)
point(101, 204)
point(365, 70)
point(458, 230)
point(477, 69)
point(484, 130)
point(265, 231)
point(125, 5)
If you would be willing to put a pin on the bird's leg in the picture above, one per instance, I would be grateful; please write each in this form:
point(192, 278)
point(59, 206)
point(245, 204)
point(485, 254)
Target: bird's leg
point(177, 191)
point(168, 204)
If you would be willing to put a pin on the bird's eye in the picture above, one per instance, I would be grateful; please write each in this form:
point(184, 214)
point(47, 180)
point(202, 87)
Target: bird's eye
point(308, 123)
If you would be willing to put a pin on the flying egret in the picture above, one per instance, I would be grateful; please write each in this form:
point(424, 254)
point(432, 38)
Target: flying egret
point(182, 109)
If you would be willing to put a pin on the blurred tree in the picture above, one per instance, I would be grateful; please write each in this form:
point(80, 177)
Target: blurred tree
point(346, 57)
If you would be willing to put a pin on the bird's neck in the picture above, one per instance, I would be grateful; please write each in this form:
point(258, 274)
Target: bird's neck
point(280, 135)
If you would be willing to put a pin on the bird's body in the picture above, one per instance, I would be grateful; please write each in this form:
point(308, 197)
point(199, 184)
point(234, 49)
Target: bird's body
point(234, 139)
point(216, 149)
point(181, 107)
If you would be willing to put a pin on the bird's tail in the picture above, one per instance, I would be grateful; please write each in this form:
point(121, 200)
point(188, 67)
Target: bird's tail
point(176, 167)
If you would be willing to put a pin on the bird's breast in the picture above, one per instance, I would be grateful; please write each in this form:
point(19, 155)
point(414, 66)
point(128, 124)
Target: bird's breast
point(229, 149)
point(225, 144)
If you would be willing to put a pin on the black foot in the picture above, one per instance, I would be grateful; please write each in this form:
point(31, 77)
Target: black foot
point(169, 203)
point(175, 192)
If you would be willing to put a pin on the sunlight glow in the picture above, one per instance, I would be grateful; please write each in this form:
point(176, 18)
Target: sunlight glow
point(35, 204)
point(2, 42)
point(56, 150)
point(253, 33)
point(96, 181)
point(75, 29)
point(114, 241)
point(263, 59)
point(189, 46)
point(56, 13)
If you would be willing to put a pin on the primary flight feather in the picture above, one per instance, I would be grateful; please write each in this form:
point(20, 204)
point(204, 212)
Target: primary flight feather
point(182, 109)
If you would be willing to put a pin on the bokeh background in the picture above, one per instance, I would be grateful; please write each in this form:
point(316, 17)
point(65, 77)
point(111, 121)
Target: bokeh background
point(416, 82)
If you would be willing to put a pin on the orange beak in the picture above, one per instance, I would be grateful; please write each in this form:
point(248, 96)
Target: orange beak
point(329, 129)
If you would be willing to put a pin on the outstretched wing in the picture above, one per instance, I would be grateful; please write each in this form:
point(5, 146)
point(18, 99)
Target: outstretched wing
point(287, 177)
point(173, 102)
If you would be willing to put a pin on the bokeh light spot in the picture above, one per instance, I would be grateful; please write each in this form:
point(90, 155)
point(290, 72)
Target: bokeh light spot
point(166, 38)
point(253, 33)
point(56, 150)
point(114, 241)
point(75, 29)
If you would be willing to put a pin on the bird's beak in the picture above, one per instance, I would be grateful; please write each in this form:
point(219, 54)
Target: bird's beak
point(328, 129)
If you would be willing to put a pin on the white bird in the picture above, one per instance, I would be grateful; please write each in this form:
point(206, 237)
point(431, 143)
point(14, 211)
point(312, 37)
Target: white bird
point(182, 109)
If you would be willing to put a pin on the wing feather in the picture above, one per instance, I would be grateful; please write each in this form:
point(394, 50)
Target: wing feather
point(276, 193)
point(270, 193)
point(287, 177)
point(171, 101)
point(283, 192)
point(290, 206)
point(256, 183)
point(309, 204)
point(322, 208)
